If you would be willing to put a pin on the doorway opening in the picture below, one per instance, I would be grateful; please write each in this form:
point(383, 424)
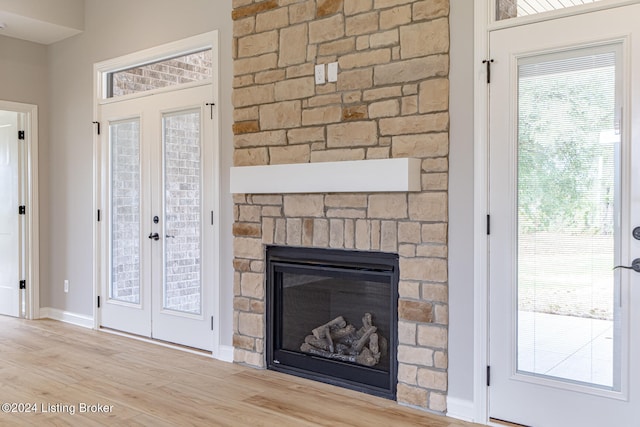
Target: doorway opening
point(19, 231)
point(561, 200)
point(157, 194)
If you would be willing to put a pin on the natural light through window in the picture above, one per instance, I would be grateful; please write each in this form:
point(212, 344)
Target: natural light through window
point(567, 201)
point(506, 9)
point(175, 71)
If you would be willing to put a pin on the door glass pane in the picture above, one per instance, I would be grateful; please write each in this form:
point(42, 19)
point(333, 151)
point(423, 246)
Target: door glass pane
point(506, 9)
point(124, 138)
point(182, 204)
point(568, 185)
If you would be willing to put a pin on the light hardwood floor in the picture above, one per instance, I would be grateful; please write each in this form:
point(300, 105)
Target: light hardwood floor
point(50, 364)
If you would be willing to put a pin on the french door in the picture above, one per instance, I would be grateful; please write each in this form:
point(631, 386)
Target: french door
point(564, 200)
point(158, 198)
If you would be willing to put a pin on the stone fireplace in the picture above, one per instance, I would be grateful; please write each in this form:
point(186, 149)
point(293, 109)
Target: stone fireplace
point(390, 101)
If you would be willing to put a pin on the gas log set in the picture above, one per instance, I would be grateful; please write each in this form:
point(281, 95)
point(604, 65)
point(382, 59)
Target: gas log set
point(341, 341)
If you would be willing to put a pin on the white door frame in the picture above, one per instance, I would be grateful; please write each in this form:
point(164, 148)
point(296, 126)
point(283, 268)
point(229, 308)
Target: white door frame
point(483, 23)
point(100, 71)
point(481, 195)
point(32, 228)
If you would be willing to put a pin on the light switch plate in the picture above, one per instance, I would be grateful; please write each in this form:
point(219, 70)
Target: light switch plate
point(320, 74)
point(332, 72)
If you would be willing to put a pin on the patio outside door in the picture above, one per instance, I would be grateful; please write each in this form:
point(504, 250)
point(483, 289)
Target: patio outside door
point(564, 200)
point(158, 168)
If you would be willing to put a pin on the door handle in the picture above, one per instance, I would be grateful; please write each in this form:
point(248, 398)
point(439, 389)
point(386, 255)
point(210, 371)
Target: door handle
point(169, 236)
point(154, 236)
point(635, 265)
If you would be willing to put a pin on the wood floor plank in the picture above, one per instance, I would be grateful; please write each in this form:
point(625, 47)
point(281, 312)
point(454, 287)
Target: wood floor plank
point(48, 362)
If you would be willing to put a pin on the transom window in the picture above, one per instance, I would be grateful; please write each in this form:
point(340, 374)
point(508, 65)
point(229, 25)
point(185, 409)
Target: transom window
point(178, 70)
point(506, 9)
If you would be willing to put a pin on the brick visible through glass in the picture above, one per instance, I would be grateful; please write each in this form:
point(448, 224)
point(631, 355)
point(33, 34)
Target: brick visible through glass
point(184, 69)
point(125, 211)
point(182, 171)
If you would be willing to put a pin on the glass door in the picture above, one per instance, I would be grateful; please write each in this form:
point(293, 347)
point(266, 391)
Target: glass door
point(156, 152)
point(179, 310)
point(561, 202)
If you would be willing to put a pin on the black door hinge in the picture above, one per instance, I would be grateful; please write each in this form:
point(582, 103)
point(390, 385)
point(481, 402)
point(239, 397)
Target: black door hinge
point(21, 135)
point(98, 215)
point(211, 105)
point(488, 62)
point(212, 323)
point(488, 376)
point(98, 301)
point(22, 210)
point(23, 284)
point(488, 225)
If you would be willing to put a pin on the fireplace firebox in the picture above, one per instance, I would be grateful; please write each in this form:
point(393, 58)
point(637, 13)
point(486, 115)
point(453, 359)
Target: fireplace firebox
point(332, 316)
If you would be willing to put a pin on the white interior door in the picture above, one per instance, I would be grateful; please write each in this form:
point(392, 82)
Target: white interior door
point(564, 199)
point(10, 242)
point(158, 162)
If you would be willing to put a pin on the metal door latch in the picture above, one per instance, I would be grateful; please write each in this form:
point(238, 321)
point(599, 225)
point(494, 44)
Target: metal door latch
point(635, 266)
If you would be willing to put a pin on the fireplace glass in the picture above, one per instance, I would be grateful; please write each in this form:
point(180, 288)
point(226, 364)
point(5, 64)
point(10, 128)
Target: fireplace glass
point(332, 316)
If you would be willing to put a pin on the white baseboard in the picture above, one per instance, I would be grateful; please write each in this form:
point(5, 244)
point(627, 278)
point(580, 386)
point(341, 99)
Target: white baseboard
point(460, 409)
point(66, 317)
point(225, 353)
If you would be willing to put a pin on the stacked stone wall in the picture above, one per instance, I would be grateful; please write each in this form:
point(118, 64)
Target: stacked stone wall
point(390, 101)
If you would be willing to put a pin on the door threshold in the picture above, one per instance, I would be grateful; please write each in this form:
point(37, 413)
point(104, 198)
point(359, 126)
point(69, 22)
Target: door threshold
point(497, 422)
point(161, 343)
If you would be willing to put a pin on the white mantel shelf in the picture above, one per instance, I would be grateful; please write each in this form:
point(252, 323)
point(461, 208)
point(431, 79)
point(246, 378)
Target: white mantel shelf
point(360, 176)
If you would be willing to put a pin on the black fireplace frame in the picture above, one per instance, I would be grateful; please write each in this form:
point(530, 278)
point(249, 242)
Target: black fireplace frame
point(357, 264)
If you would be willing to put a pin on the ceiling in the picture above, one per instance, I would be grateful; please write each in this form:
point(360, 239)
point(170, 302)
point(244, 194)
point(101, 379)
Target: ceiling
point(41, 21)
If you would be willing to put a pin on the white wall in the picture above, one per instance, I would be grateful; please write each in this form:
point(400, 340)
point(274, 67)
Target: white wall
point(23, 71)
point(23, 78)
point(461, 286)
point(114, 28)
